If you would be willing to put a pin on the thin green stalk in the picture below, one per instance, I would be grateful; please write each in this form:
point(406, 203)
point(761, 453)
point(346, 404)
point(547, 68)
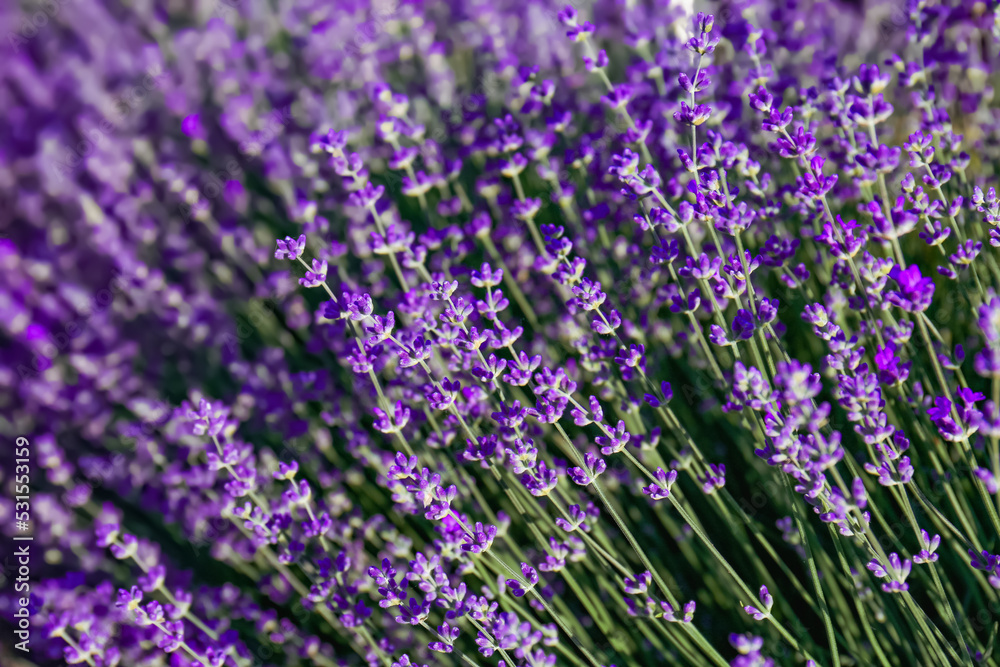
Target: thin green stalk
point(814, 575)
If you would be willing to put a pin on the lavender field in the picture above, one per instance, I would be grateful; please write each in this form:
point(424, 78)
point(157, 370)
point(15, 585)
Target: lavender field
point(499, 333)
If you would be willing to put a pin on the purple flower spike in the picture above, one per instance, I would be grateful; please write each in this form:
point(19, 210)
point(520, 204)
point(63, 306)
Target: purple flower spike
point(481, 539)
point(714, 478)
point(766, 602)
point(129, 600)
point(684, 615)
point(897, 571)
point(316, 276)
point(914, 291)
point(518, 589)
point(289, 248)
point(664, 481)
point(928, 547)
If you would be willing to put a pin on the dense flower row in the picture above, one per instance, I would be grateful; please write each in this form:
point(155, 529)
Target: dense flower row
point(505, 333)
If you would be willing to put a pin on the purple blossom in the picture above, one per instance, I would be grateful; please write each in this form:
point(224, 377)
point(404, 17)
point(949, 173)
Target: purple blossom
point(914, 291)
point(289, 248)
point(766, 602)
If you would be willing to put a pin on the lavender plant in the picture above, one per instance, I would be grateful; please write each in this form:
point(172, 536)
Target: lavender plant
point(402, 333)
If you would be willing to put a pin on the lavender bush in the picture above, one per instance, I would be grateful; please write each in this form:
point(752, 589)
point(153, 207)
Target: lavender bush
point(494, 332)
